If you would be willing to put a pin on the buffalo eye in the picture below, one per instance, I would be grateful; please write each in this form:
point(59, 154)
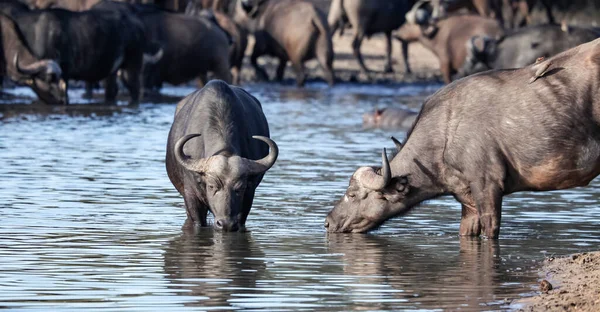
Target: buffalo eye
point(239, 189)
point(351, 195)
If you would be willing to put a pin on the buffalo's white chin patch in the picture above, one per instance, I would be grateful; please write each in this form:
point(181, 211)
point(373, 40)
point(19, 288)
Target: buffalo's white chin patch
point(346, 198)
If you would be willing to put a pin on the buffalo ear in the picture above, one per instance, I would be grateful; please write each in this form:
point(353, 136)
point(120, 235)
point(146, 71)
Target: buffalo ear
point(399, 185)
point(402, 185)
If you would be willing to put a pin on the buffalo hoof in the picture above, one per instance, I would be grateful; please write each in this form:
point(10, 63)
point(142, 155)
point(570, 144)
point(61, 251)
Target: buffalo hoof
point(388, 69)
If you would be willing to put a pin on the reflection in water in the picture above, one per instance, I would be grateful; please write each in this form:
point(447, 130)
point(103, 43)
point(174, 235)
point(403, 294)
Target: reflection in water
point(420, 275)
point(212, 266)
point(89, 219)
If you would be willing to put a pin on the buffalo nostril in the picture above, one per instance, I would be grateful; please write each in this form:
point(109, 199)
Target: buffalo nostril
point(326, 224)
point(219, 223)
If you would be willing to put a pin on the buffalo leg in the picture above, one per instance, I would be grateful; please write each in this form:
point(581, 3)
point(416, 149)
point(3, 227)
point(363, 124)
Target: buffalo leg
point(89, 90)
point(196, 214)
point(281, 69)
point(446, 70)
point(388, 62)
point(247, 205)
point(356, 43)
point(111, 89)
point(548, 6)
point(235, 75)
point(488, 199)
point(299, 70)
point(469, 222)
point(256, 53)
point(261, 74)
point(324, 54)
point(405, 56)
point(131, 79)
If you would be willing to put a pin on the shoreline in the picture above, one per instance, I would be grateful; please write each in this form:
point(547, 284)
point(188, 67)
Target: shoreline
point(575, 285)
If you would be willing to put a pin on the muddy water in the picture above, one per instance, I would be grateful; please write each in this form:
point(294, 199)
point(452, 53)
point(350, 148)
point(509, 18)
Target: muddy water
point(89, 219)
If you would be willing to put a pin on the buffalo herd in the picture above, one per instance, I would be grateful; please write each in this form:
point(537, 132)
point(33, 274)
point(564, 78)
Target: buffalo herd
point(137, 47)
point(520, 111)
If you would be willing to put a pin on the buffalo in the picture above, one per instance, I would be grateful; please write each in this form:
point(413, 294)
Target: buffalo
point(213, 143)
point(289, 30)
point(73, 40)
point(522, 48)
point(44, 76)
point(369, 17)
point(486, 136)
point(448, 38)
point(192, 47)
point(238, 35)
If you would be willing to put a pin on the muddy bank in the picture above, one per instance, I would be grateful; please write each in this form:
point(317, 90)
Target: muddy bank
point(575, 283)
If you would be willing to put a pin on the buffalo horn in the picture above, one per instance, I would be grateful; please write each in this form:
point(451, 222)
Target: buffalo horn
point(31, 69)
point(262, 165)
point(397, 143)
point(370, 179)
point(196, 165)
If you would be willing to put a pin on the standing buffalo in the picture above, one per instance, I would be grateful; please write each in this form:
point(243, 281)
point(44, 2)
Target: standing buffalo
point(369, 17)
point(486, 136)
point(448, 38)
point(45, 77)
point(89, 46)
point(192, 46)
point(238, 35)
point(522, 47)
point(291, 30)
point(217, 172)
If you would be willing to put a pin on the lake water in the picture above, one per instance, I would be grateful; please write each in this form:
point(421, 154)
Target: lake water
point(89, 219)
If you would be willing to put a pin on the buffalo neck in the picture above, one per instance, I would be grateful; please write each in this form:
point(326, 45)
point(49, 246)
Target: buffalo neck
point(421, 160)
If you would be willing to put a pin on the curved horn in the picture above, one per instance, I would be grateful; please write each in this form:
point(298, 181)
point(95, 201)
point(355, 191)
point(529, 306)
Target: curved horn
point(184, 160)
point(397, 143)
point(372, 180)
point(153, 59)
point(262, 165)
point(30, 69)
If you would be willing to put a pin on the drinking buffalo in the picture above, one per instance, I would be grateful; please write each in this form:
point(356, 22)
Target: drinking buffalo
point(522, 47)
point(369, 17)
point(216, 171)
point(448, 38)
point(289, 30)
point(486, 136)
point(389, 118)
point(238, 35)
point(19, 64)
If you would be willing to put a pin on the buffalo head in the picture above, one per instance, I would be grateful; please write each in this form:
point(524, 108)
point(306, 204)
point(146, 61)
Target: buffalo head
point(45, 79)
point(372, 197)
point(225, 182)
point(252, 7)
point(481, 52)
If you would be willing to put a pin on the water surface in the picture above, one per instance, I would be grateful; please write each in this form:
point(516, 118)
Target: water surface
point(89, 219)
